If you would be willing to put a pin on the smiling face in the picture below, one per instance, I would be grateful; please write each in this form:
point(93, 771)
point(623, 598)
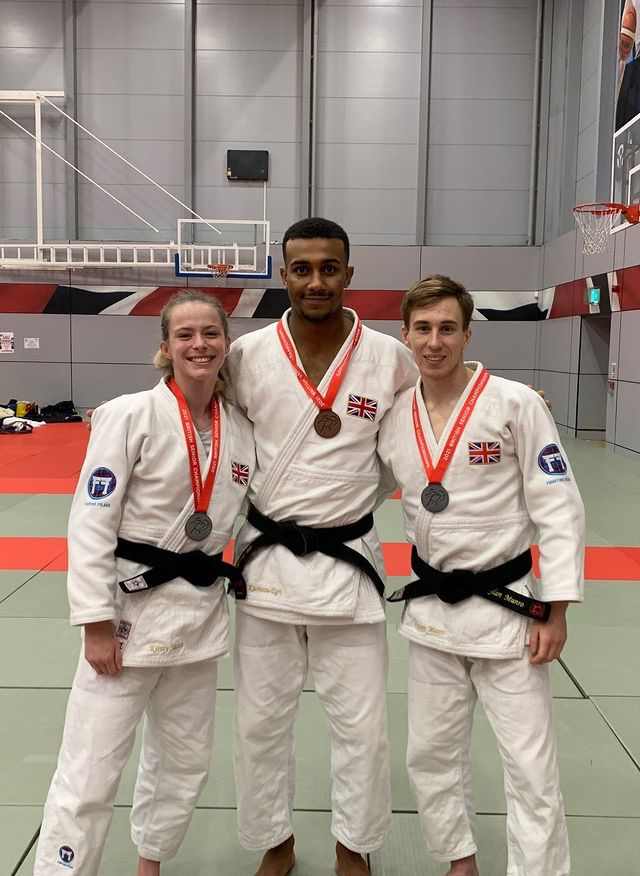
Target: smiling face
point(196, 343)
point(315, 275)
point(437, 339)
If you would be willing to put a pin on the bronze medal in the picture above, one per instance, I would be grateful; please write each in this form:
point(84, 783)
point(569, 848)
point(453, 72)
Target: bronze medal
point(327, 424)
point(434, 498)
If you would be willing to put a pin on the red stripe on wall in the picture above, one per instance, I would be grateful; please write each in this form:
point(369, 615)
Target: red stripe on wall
point(25, 297)
point(155, 301)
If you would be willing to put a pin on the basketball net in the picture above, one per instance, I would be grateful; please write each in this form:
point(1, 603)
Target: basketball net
point(595, 221)
point(219, 272)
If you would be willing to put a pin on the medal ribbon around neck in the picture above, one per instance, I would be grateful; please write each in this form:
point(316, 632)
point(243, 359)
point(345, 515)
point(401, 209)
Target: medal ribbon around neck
point(435, 475)
point(323, 403)
point(201, 492)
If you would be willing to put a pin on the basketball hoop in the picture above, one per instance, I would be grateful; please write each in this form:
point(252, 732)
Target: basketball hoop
point(596, 221)
point(219, 272)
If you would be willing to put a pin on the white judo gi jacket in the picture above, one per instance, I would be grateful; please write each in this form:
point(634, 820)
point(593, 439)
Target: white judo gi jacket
point(508, 477)
point(135, 484)
point(311, 480)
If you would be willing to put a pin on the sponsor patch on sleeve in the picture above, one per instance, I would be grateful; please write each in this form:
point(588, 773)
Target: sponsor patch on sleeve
point(102, 482)
point(551, 461)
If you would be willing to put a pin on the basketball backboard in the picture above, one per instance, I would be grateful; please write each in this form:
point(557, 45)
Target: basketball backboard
point(625, 171)
point(242, 243)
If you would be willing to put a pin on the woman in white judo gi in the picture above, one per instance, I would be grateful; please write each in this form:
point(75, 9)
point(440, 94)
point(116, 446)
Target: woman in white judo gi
point(481, 469)
point(165, 475)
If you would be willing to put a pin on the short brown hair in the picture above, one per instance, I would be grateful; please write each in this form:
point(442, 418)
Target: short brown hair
point(162, 362)
point(431, 289)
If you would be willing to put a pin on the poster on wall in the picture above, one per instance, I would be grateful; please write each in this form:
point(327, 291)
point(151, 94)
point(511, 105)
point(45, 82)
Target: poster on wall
point(7, 342)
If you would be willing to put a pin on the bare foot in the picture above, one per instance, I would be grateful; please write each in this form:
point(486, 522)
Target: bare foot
point(278, 861)
point(463, 867)
point(350, 863)
point(147, 867)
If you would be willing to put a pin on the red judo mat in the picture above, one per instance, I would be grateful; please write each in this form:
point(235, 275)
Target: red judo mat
point(49, 461)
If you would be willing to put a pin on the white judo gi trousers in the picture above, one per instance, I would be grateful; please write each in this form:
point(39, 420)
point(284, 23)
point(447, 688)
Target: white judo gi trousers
point(102, 715)
point(443, 689)
point(349, 665)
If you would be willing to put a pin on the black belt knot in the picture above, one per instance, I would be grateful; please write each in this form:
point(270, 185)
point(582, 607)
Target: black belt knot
point(304, 540)
point(454, 586)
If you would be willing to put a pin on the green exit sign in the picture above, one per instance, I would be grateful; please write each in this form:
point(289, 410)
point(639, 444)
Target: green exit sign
point(594, 296)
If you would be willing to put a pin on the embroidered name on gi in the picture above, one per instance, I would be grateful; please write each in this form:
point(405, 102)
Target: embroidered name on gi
point(272, 591)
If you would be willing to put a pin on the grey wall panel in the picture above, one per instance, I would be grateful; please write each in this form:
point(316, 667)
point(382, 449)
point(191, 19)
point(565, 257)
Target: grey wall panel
point(359, 165)
point(586, 189)
point(163, 162)
point(42, 383)
point(594, 345)
point(384, 268)
point(375, 120)
point(628, 416)
point(32, 25)
point(629, 351)
point(93, 383)
point(18, 205)
point(129, 26)
point(211, 163)
point(589, 94)
point(505, 345)
point(485, 212)
point(238, 73)
point(369, 74)
point(132, 116)
point(573, 401)
point(133, 278)
point(97, 212)
point(239, 327)
point(617, 244)
point(590, 48)
point(51, 329)
point(484, 29)
point(122, 71)
point(495, 77)
point(587, 141)
point(248, 119)
point(600, 263)
point(486, 268)
point(555, 345)
point(477, 121)
point(31, 69)
point(519, 375)
point(245, 202)
point(371, 211)
point(392, 328)
point(556, 388)
point(379, 28)
point(17, 162)
point(264, 27)
point(559, 260)
point(53, 126)
point(479, 167)
point(576, 329)
point(592, 13)
point(592, 402)
point(631, 245)
point(114, 339)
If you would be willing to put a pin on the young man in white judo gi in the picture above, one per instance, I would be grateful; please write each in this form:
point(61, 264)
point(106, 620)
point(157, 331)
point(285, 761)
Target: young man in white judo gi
point(166, 473)
point(481, 469)
point(315, 386)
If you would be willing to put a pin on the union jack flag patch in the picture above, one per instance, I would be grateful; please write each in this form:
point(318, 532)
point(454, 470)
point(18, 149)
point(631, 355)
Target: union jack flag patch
point(239, 473)
point(484, 452)
point(359, 406)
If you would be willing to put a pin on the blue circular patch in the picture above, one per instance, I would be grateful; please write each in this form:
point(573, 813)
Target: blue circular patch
point(101, 483)
point(66, 854)
point(551, 461)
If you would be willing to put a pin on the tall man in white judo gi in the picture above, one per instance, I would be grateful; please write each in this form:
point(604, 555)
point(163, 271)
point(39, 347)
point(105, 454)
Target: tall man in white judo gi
point(315, 385)
point(481, 468)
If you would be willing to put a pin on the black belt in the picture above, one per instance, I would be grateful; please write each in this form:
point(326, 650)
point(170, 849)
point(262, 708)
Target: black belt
point(452, 587)
point(303, 540)
point(196, 567)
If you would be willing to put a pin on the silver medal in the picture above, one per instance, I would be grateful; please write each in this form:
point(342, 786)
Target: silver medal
point(198, 526)
point(434, 498)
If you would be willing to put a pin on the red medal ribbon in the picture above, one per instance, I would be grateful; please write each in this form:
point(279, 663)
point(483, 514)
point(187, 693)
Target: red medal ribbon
point(435, 475)
point(201, 492)
point(323, 403)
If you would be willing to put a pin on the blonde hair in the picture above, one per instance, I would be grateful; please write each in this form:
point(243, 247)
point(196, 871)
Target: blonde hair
point(163, 363)
point(434, 288)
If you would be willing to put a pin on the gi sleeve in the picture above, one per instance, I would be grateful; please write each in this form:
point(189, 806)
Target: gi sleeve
point(96, 512)
point(553, 501)
point(406, 371)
